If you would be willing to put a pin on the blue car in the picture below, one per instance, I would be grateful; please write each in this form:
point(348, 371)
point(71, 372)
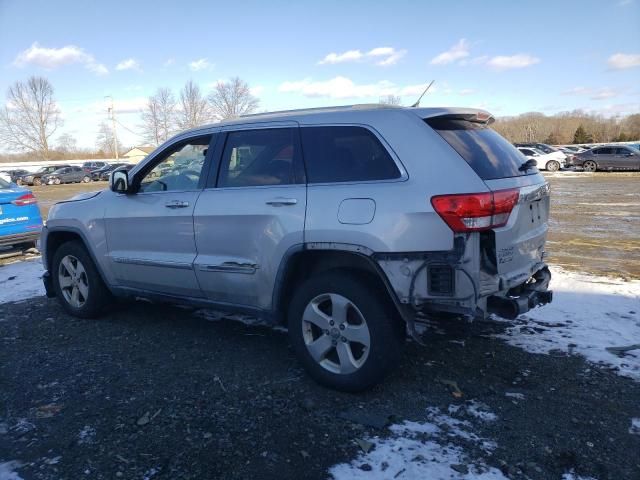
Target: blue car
point(20, 220)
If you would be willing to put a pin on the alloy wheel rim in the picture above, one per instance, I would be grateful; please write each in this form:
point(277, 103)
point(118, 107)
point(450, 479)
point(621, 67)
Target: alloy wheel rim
point(336, 333)
point(589, 166)
point(73, 281)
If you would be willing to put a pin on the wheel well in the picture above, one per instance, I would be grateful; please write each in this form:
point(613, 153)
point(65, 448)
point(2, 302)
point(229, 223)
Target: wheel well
point(304, 264)
point(55, 239)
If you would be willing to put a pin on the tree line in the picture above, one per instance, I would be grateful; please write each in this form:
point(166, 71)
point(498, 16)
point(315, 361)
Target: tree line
point(569, 127)
point(31, 117)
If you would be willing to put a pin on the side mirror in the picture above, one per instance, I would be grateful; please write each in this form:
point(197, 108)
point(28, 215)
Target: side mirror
point(119, 181)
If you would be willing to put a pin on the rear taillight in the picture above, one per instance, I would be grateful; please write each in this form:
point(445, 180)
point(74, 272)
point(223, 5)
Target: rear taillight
point(474, 212)
point(26, 199)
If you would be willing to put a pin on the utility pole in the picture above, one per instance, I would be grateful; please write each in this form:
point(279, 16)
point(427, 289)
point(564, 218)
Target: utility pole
point(112, 115)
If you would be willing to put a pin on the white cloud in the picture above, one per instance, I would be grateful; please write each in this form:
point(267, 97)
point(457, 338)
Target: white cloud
point(594, 94)
point(200, 64)
point(168, 62)
point(257, 90)
point(457, 52)
point(342, 87)
point(52, 58)
point(348, 56)
point(383, 56)
point(520, 60)
point(466, 91)
point(129, 64)
point(391, 59)
point(620, 61)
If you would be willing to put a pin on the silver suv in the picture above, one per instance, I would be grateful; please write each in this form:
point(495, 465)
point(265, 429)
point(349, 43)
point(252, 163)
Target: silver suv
point(348, 225)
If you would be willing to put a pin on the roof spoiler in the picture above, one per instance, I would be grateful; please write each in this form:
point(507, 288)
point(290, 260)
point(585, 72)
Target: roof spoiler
point(468, 114)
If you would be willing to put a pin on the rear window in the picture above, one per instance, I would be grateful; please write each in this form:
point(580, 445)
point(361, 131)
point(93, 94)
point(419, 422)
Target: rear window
point(345, 154)
point(4, 184)
point(489, 154)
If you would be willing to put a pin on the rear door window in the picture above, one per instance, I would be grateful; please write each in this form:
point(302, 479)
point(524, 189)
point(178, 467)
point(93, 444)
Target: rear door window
point(603, 151)
point(345, 154)
point(253, 158)
point(487, 152)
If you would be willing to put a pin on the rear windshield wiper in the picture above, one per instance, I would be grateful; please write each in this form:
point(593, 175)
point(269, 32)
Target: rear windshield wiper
point(529, 164)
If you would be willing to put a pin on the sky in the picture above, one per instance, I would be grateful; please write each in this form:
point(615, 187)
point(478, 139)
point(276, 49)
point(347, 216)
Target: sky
point(507, 57)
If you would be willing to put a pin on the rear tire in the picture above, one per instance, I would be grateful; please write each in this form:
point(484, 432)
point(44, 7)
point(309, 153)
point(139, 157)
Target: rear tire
point(86, 179)
point(553, 166)
point(77, 283)
point(589, 166)
point(345, 330)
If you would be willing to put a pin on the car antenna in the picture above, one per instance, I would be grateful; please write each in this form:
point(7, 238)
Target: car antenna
point(417, 104)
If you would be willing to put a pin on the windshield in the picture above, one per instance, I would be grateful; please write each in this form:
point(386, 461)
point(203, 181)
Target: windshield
point(487, 152)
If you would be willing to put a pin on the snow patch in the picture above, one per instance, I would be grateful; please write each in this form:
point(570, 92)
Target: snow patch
point(425, 450)
point(8, 470)
point(572, 476)
point(588, 315)
point(515, 395)
point(21, 280)
point(87, 435)
point(634, 429)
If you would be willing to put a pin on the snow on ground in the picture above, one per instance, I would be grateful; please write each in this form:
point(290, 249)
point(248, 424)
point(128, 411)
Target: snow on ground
point(572, 476)
point(434, 449)
point(21, 280)
point(592, 316)
point(7, 470)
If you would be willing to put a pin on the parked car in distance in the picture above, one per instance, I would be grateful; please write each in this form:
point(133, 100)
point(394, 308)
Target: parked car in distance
point(545, 161)
point(36, 177)
point(608, 157)
point(544, 148)
point(20, 220)
point(73, 174)
point(345, 224)
point(109, 167)
point(12, 175)
point(93, 165)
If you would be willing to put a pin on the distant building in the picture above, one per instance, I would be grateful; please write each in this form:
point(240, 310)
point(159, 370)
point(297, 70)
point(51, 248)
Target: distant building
point(138, 153)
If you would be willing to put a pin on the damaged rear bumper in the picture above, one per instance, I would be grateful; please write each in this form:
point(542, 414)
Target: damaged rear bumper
point(523, 298)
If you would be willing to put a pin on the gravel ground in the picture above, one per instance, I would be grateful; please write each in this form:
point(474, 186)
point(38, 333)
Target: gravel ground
point(162, 392)
point(153, 391)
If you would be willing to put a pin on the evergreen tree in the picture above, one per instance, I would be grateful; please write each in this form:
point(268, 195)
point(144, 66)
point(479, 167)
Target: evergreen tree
point(581, 136)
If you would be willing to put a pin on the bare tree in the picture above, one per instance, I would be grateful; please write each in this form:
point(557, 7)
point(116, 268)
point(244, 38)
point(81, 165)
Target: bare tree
point(67, 143)
point(159, 117)
point(30, 116)
point(232, 99)
point(194, 109)
point(104, 140)
point(391, 100)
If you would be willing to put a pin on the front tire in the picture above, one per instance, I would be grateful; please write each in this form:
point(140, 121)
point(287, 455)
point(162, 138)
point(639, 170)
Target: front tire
point(553, 166)
point(345, 330)
point(86, 179)
point(57, 181)
point(37, 181)
point(589, 166)
point(77, 283)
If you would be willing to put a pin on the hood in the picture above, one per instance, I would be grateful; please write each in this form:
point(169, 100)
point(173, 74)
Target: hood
point(83, 196)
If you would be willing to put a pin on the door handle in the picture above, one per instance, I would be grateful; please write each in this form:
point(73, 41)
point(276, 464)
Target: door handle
point(280, 201)
point(176, 204)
